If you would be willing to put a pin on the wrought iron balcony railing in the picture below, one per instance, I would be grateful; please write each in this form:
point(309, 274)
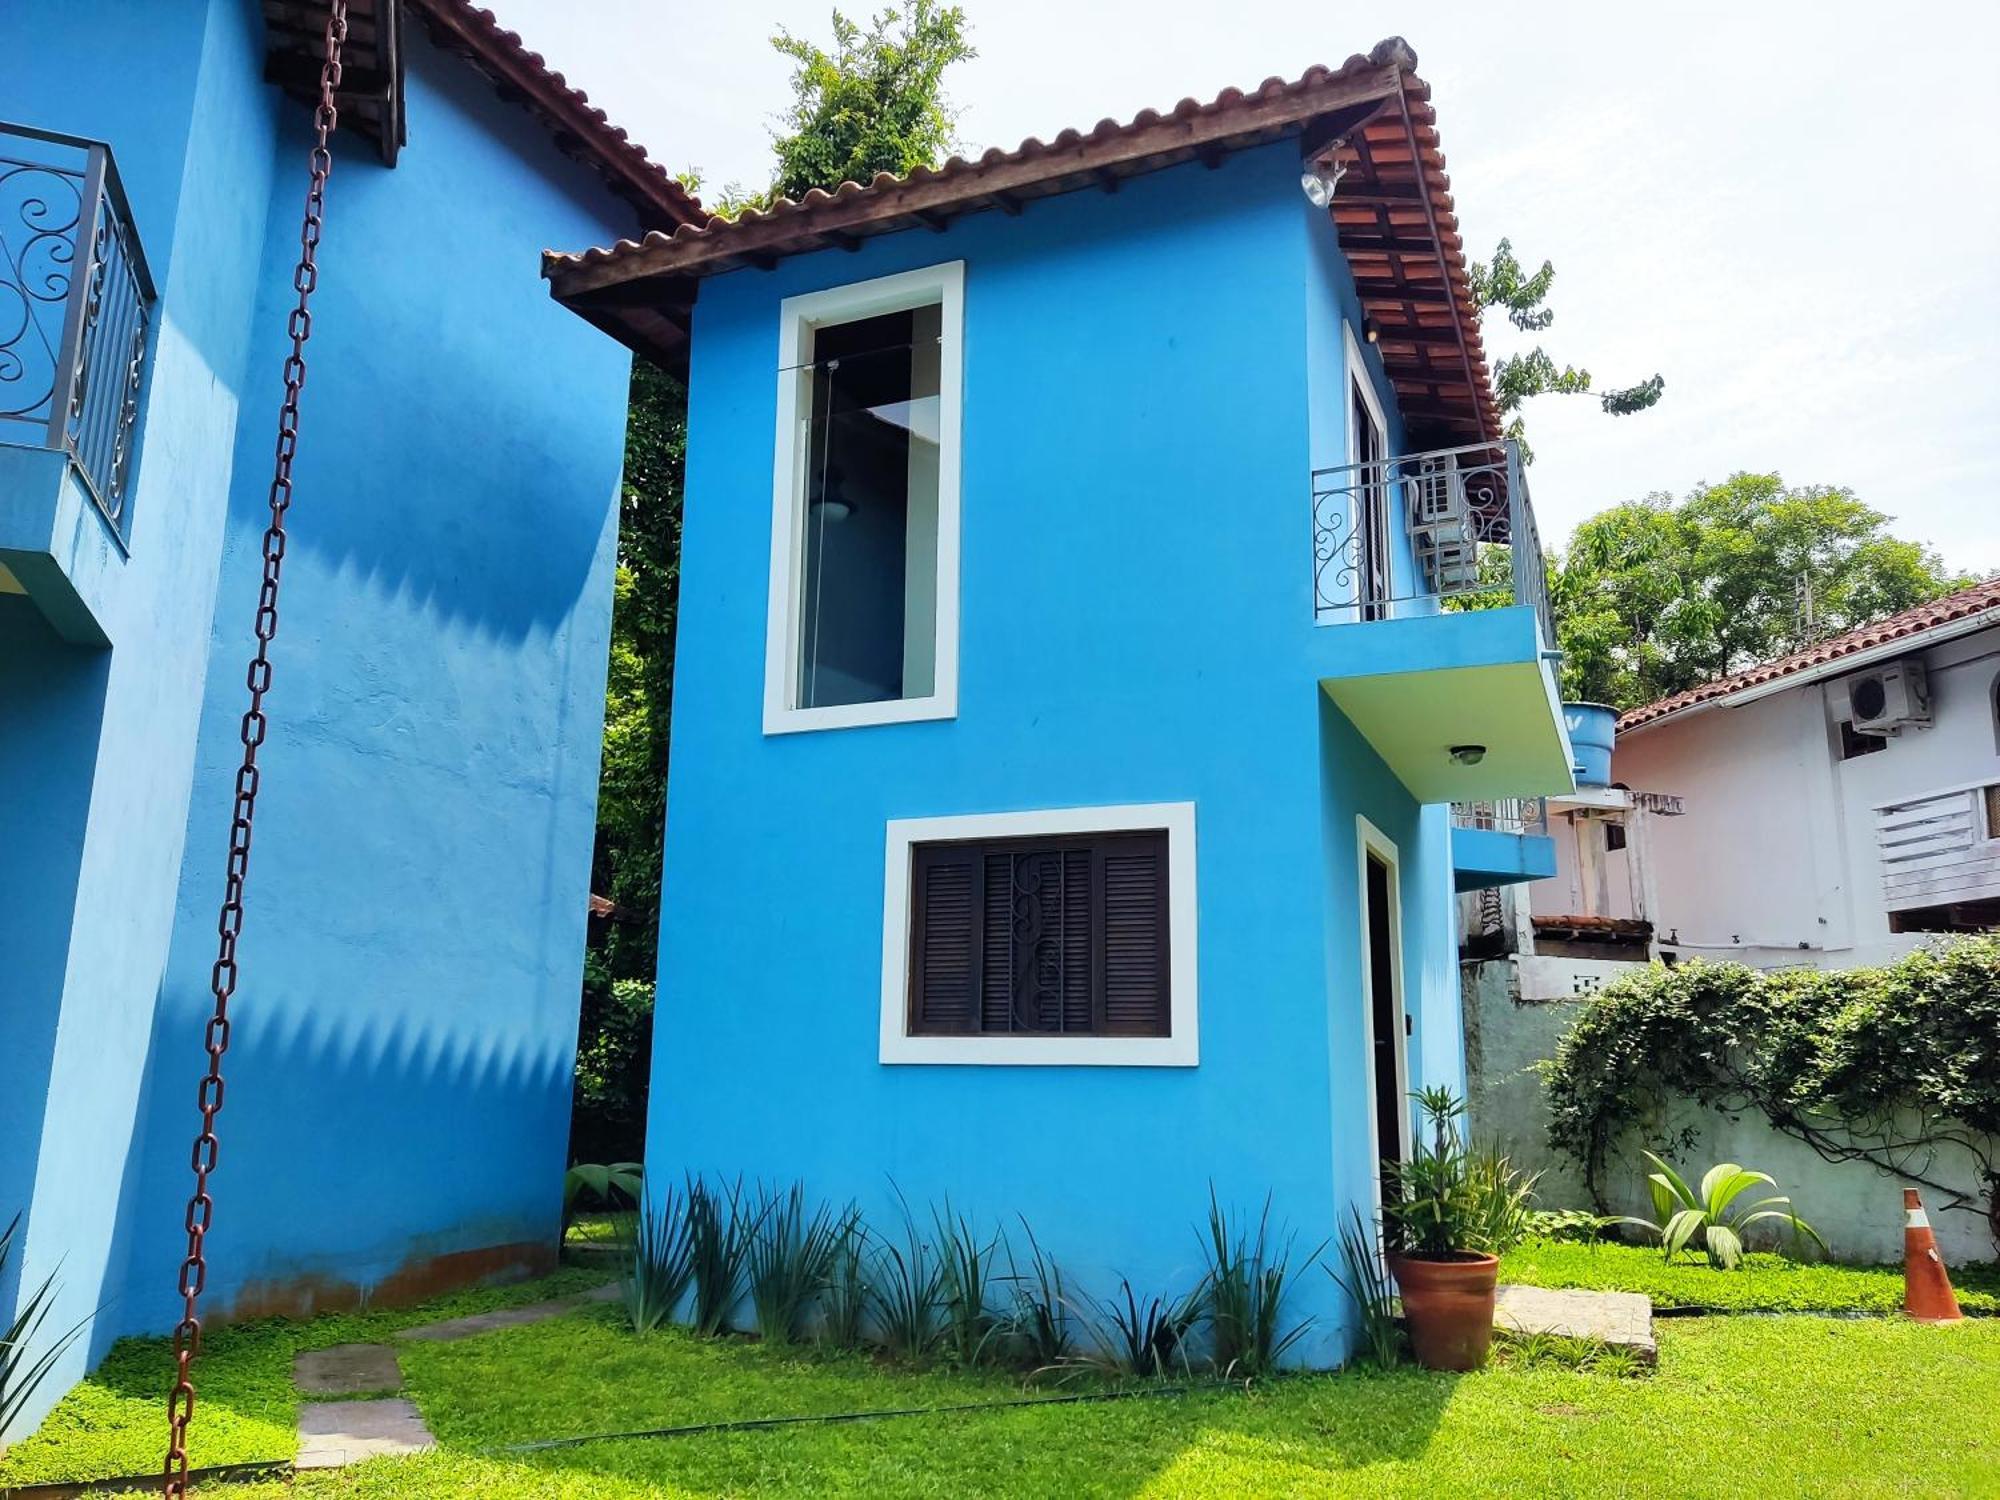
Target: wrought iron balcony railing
point(1503, 815)
point(1451, 528)
point(76, 307)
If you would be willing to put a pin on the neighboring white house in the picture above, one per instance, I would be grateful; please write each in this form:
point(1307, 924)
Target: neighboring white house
point(1839, 804)
point(1832, 808)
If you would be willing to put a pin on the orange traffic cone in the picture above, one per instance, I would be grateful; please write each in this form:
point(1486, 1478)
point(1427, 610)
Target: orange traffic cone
point(1927, 1294)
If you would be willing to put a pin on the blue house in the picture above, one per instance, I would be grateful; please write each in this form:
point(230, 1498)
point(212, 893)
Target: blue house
point(398, 1073)
point(1074, 679)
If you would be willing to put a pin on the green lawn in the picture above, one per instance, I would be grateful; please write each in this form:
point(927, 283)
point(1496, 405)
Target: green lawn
point(1818, 1406)
point(1763, 1283)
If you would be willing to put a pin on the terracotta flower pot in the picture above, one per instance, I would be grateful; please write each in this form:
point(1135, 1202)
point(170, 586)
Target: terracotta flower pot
point(1448, 1308)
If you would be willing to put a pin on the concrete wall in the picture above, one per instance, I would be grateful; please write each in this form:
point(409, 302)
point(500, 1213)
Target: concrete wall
point(1136, 627)
point(1775, 861)
point(1857, 1208)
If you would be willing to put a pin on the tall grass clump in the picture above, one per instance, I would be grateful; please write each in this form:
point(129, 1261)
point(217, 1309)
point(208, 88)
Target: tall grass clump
point(21, 1369)
point(721, 1231)
point(1148, 1339)
point(1249, 1277)
point(790, 1260)
point(969, 1330)
point(906, 1292)
point(1038, 1324)
point(1364, 1276)
point(843, 1306)
point(659, 1259)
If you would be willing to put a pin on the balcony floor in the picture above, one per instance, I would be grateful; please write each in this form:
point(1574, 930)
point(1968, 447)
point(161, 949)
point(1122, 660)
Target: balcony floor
point(1416, 687)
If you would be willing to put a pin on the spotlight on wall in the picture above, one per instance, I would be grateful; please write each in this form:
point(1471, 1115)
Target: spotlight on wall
point(1468, 755)
point(1371, 330)
point(1318, 183)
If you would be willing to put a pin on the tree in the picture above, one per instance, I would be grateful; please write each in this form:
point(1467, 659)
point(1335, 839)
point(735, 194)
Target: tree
point(1654, 596)
point(874, 104)
point(1502, 283)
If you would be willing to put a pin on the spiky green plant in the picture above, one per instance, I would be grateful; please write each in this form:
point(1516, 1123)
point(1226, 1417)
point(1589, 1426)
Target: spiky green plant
point(790, 1261)
point(1248, 1278)
point(659, 1259)
point(21, 1369)
point(1148, 1339)
point(970, 1330)
point(906, 1292)
point(1711, 1218)
point(721, 1230)
point(1038, 1323)
point(843, 1309)
point(1365, 1278)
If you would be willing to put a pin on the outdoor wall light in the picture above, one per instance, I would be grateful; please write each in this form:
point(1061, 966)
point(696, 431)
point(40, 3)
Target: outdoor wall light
point(1468, 755)
point(1318, 183)
point(1371, 330)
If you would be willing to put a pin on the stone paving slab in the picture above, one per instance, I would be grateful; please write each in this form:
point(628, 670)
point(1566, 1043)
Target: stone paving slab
point(1623, 1320)
point(336, 1433)
point(347, 1370)
point(453, 1329)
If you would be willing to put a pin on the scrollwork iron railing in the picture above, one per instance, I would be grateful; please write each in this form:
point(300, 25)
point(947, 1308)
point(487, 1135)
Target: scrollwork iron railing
point(76, 306)
point(1451, 528)
point(1503, 815)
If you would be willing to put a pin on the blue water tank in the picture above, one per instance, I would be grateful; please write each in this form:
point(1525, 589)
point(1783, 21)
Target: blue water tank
point(1592, 728)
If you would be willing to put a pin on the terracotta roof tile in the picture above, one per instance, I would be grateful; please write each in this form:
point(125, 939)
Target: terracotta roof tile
point(1965, 604)
point(1394, 212)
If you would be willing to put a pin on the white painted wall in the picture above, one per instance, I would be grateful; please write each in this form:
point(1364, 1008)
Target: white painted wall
point(1775, 861)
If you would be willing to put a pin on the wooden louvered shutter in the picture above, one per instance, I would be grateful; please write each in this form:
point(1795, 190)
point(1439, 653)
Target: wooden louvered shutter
point(1058, 936)
point(1132, 936)
point(944, 940)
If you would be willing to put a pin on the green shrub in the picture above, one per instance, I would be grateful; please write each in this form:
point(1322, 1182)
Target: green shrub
point(1249, 1277)
point(1869, 1065)
point(1712, 1218)
point(1449, 1198)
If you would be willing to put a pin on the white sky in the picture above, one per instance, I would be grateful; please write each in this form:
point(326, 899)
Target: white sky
point(1786, 209)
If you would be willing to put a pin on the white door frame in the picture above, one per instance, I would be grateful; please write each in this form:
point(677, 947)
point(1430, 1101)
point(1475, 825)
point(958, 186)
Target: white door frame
point(1372, 841)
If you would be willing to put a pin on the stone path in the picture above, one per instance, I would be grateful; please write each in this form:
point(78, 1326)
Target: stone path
point(370, 1420)
point(1623, 1320)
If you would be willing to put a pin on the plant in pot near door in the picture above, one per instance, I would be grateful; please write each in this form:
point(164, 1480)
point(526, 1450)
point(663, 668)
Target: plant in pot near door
point(1447, 1215)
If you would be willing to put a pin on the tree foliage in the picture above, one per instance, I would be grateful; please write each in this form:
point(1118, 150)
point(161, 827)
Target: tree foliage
point(1655, 596)
point(1884, 1066)
point(1501, 282)
point(875, 103)
point(614, 1037)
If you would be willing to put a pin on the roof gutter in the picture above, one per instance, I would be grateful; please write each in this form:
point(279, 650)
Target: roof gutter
point(1840, 666)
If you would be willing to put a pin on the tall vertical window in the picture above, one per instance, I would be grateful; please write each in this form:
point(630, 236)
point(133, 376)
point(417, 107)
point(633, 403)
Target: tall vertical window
point(864, 568)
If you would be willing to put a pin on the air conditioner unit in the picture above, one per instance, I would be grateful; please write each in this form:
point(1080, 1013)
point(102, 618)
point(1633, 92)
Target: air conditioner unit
point(1441, 526)
point(1890, 699)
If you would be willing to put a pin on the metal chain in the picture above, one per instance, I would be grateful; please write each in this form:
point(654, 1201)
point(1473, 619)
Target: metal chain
point(229, 925)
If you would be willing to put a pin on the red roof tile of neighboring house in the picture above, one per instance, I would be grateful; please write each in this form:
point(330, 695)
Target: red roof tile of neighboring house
point(1965, 605)
point(1393, 211)
point(371, 94)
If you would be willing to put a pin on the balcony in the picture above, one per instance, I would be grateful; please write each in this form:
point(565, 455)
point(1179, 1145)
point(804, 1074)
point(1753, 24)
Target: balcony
point(76, 305)
point(1501, 842)
point(1430, 592)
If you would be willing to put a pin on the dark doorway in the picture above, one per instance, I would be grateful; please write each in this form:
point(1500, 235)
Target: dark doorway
point(1385, 1011)
point(1372, 495)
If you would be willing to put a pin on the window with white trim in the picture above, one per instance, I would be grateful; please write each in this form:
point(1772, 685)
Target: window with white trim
point(1055, 937)
point(863, 616)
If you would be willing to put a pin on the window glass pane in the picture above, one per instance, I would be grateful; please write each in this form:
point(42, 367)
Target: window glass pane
point(868, 615)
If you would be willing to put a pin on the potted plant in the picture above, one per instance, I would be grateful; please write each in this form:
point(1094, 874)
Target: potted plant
point(1447, 1213)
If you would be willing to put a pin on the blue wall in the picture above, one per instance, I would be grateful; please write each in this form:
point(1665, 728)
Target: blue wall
point(399, 1077)
point(400, 1072)
point(175, 89)
point(1143, 401)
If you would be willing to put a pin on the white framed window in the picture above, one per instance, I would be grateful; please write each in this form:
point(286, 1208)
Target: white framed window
point(1053, 938)
point(863, 616)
